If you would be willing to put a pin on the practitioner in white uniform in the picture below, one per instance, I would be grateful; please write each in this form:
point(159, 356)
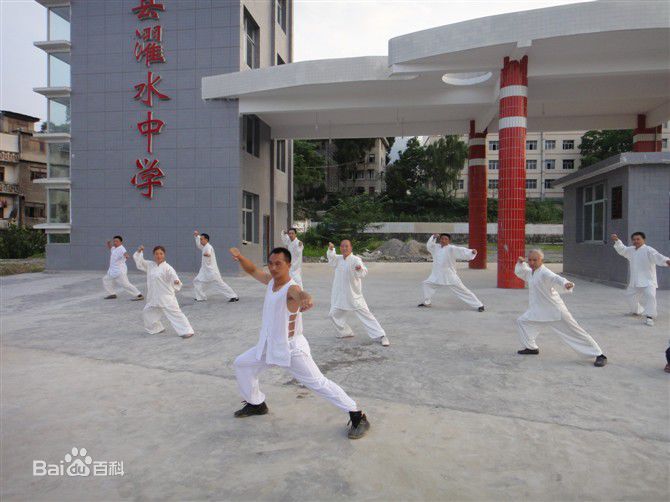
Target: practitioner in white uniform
point(117, 273)
point(162, 284)
point(546, 309)
point(209, 277)
point(444, 273)
point(281, 343)
point(294, 245)
point(347, 294)
point(642, 282)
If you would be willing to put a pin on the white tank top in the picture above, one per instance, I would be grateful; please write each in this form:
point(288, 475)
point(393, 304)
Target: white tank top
point(281, 330)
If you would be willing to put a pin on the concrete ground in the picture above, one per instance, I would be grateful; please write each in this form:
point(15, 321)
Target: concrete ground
point(456, 414)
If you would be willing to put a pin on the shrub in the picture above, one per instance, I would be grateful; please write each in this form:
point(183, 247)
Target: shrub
point(21, 242)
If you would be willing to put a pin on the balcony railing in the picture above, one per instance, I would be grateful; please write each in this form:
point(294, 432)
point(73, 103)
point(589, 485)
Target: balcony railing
point(12, 188)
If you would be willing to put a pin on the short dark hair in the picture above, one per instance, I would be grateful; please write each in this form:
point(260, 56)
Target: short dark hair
point(206, 236)
point(159, 247)
point(446, 235)
point(284, 251)
point(118, 237)
point(641, 234)
point(294, 229)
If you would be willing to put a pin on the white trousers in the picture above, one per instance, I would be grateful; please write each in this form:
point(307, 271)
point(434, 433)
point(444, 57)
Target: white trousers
point(568, 329)
point(213, 286)
point(304, 370)
point(110, 283)
point(372, 326)
point(648, 300)
point(458, 289)
point(152, 320)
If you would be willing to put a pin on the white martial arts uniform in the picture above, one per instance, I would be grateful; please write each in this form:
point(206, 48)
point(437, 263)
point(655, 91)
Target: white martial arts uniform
point(277, 348)
point(347, 295)
point(117, 273)
point(209, 277)
point(444, 272)
point(295, 247)
point(546, 308)
point(642, 282)
point(161, 297)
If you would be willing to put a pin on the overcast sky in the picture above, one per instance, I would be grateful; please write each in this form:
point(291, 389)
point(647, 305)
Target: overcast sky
point(323, 29)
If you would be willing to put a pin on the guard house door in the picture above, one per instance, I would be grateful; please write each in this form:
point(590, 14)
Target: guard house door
point(266, 237)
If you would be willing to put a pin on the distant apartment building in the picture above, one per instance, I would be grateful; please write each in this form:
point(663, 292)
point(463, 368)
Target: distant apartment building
point(366, 176)
point(22, 162)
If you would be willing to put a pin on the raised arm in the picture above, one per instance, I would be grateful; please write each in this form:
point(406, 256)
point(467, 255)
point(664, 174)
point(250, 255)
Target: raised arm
point(285, 238)
point(430, 245)
point(331, 255)
point(196, 234)
point(140, 262)
point(522, 270)
point(301, 299)
point(249, 267)
point(620, 248)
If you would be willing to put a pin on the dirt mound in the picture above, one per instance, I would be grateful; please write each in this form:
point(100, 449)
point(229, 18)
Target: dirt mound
point(397, 250)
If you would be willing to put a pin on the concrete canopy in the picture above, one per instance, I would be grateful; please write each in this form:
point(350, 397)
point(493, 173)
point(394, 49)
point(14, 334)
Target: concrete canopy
point(591, 65)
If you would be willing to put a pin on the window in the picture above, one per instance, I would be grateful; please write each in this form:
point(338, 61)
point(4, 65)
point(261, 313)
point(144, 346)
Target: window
point(360, 190)
point(550, 164)
point(568, 144)
point(36, 174)
point(360, 175)
point(59, 115)
point(493, 184)
point(59, 205)
point(594, 213)
point(281, 155)
point(371, 190)
point(568, 163)
point(493, 165)
point(548, 183)
point(531, 164)
point(2, 173)
point(371, 158)
point(371, 174)
point(664, 143)
point(252, 132)
point(460, 185)
point(250, 217)
point(531, 184)
point(59, 23)
point(550, 144)
point(617, 203)
point(493, 145)
point(252, 39)
point(531, 144)
point(58, 238)
point(34, 210)
point(281, 14)
point(58, 160)
point(280, 61)
point(59, 70)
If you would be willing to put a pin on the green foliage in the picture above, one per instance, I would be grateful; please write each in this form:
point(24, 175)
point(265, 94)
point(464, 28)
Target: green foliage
point(21, 242)
point(600, 145)
point(406, 173)
point(309, 177)
point(443, 163)
point(349, 152)
point(544, 211)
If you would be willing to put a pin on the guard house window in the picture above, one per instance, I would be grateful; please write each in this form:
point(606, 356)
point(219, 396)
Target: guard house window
point(493, 184)
point(493, 145)
point(548, 184)
point(281, 155)
point(250, 217)
point(568, 144)
point(617, 203)
point(594, 213)
point(58, 238)
point(252, 38)
point(531, 184)
point(281, 14)
point(531, 164)
point(252, 133)
point(550, 164)
point(493, 165)
point(550, 144)
point(531, 144)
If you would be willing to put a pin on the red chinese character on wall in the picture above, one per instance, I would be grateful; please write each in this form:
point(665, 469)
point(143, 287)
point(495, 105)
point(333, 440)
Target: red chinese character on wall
point(149, 89)
point(148, 9)
point(150, 33)
point(151, 52)
point(149, 128)
point(148, 176)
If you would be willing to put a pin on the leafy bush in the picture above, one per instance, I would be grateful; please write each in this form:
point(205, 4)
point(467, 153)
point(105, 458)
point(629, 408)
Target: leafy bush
point(21, 242)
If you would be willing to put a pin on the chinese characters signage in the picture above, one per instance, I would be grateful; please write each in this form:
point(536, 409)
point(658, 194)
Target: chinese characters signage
point(148, 52)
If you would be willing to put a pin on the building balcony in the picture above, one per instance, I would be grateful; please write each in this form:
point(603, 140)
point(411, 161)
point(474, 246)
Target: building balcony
point(10, 188)
point(54, 227)
point(53, 137)
point(53, 3)
point(53, 92)
point(54, 46)
point(53, 182)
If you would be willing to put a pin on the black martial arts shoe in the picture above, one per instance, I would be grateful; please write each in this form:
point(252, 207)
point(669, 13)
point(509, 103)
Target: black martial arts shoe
point(252, 409)
point(526, 352)
point(427, 305)
point(601, 361)
point(138, 298)
point(481, 309)
point(232, 300)
point(110, 297)
point(359, 425)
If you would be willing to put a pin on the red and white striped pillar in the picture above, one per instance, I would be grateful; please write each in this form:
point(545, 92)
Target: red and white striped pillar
point(512, 169)
point(646, 139)
point(477, 195)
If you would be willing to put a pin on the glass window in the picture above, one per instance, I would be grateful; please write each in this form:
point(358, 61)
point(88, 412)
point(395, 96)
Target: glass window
point(568, 163)
point(548, 183)
point(371, 158)
point(281, 155)
point(281, 14)
point(58, 160)
point(568, 144)
point(59, 205)
point(252, 40)
point(59, 23)
point(250, 203)
point(36, 174)
point(58, 238)
point(549, 144)
point(550, 164)
point(371, 190)
point(461, 184)
point(493, 145)
point(59, 71)
point(493, 184)
point(531, 164)
point(594, 213)
point(617, 203)
point(59, 115)
point(371, 174)
point(2, 173)
point(252, 134)
point(493, 164)
point(664, 143)
point(531, 184)
point(531, 144)
point(34, 210)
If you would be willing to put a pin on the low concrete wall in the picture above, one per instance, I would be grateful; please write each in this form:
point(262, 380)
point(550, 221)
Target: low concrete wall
point(453, 228)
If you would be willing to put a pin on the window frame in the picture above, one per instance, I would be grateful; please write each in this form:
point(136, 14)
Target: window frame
point(616, 206)
point(551, 142)
point(532, 181)
point(250, 212)
point(280, 155)
point(592, 205)
point(567, 161)
point(493, 162)
point(282, 14)
point(534, 161)
point(568, 142)
point(252, 37)
point(493, 145)
point(531, 142)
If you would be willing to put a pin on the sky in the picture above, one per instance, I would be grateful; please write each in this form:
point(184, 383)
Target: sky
point(322, 29)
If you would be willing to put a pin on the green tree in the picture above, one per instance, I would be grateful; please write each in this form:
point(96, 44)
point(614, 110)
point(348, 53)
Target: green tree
point(309, 177)
point(21, 242)
point(600, 145)
point(349, 217)
point(407, 172)
point(444, 161)
point(349, 152)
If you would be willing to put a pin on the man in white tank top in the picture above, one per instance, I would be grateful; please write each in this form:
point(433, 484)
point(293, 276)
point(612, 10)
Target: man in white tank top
point(281, 343)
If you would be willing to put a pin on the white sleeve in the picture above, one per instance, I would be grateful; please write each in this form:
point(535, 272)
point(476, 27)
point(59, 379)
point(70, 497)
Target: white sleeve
point(332, 257)
point(464, 253)
point(658, 258)
point(197, 242)
point(620, 248)
point(558, 282)
point(522, 271)
point(285, 239)
point(430, 245)
point(172, 276)
point(363, 271)
point(140, 262)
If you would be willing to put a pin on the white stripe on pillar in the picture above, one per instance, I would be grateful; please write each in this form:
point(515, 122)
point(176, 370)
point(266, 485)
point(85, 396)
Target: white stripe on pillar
point(644, 137)
point(506, 122)
point(476, 162)
point(476, 141)
point(513, 90)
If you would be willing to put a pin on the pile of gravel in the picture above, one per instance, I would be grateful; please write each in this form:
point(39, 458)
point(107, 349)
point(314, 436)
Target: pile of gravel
point(397, 250)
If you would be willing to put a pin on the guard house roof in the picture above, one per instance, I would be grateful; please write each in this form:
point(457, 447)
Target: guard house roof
point(593, 65)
